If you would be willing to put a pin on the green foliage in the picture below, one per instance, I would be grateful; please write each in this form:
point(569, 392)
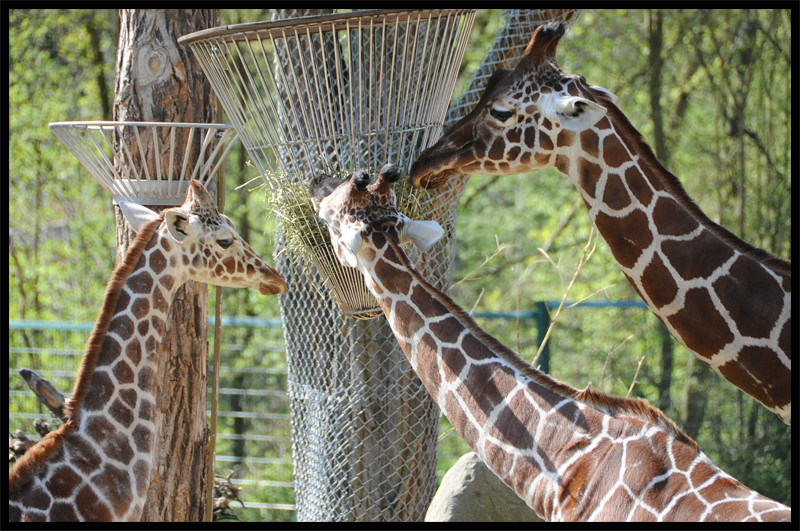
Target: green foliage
point(61, 233)
point(484, 28)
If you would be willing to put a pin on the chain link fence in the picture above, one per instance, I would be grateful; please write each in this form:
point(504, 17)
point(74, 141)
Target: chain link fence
point(254, 435)
point(254, 430)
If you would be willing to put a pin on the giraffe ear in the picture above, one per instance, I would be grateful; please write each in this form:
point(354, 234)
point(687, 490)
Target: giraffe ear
point(422, 233)
point(178, 224)
point(137, 215)
point(572, 112)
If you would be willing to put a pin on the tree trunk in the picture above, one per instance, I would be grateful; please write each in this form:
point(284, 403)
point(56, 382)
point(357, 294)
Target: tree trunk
point(665, 380)
point(656, 40)
point(696, 395)
point(158, 80)
point(655, 62)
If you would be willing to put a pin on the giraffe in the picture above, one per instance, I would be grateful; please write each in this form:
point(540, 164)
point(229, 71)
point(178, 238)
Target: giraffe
point(98, 465)
point(570, 454)
point(725, 300)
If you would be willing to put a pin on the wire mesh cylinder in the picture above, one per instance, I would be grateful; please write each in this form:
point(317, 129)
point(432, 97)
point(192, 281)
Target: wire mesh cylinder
point(338, 93)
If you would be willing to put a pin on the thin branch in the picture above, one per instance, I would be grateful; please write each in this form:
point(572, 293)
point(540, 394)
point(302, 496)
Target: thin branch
point(588, 251)
point(499, 247)
point(635, 377)
point(478, 191)
point(477, 300)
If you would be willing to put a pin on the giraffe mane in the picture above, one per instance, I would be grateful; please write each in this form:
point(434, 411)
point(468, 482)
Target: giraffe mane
point(613, 405)
point(27, 465)
point(95, 343)
point(44, 449)
point(635, 142)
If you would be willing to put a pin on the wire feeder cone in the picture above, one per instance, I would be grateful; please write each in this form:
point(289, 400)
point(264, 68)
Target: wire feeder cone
point(347, 283)
point(104, 147)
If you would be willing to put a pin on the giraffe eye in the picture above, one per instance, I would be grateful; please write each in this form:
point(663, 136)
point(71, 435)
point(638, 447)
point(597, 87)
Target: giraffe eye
point(501, 114)
point(225, 243)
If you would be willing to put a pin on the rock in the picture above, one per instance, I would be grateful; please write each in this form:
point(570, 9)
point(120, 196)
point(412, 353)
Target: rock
point(470, 492)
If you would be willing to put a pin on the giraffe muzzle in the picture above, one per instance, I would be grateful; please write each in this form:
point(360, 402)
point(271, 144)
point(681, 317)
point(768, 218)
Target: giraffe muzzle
point(424, 175)
point(275, 287)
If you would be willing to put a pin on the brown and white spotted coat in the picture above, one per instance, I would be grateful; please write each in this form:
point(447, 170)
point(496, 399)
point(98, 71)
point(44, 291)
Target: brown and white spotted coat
point(98, 465)
point(571, 455)
point(726, 301)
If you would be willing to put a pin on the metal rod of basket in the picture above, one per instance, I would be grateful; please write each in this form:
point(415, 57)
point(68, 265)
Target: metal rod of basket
point(175, 145)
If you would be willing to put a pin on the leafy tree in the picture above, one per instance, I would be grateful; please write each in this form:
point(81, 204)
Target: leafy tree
point(61, 242)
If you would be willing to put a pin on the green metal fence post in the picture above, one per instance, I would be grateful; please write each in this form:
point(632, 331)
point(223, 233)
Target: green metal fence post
point(542, 324)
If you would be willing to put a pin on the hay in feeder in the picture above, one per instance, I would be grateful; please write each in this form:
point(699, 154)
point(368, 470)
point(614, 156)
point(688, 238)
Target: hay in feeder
point(352, 91)
point(308, 240)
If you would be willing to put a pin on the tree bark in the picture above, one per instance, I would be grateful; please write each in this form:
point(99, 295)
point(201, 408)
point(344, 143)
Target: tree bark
point(159, 80)
point(656, 41)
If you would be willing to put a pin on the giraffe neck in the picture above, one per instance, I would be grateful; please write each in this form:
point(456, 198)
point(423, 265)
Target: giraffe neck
point(562, 450)
point(101, 460)
point(723, 299)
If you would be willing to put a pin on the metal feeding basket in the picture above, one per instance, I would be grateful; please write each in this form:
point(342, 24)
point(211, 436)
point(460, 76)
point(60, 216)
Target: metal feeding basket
point(334, 93)
point(181, 151)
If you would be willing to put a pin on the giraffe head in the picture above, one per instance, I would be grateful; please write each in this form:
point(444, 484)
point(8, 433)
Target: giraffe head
point(353, 208)
point(212, 251)
point(524, 116)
